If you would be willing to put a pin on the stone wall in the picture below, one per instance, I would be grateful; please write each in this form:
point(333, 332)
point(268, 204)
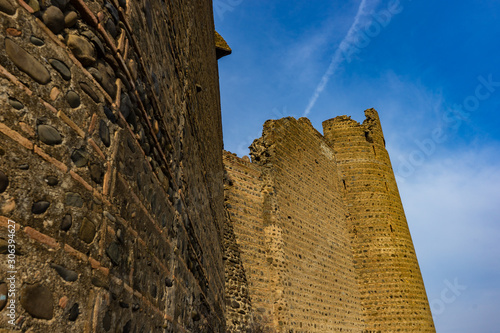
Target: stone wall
point(110, 166)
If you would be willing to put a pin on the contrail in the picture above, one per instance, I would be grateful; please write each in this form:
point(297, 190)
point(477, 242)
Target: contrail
point(349, 39)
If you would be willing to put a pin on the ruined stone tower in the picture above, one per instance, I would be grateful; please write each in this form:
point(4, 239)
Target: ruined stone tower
point(321, 232)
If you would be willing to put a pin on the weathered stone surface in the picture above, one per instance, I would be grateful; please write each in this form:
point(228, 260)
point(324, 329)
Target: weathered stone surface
point(111, 28)
point(7, 7)
point(80, 157)
point(70, 19)
point(15, 103)
point(82, 49)
point(96, 173)
point(104, 133)
point(112, 10)
point(87, 231)
point(40, 207)
point(53, 18)
point(73, 99)
point(66, 274)
point(62, 68)
point(49, 135)
point(73, 199)
point(66, 222)
point(95, 73)
point(3, 295)
point(95, 40)
point(26, 62)
point(37, 301)
point(4, 181)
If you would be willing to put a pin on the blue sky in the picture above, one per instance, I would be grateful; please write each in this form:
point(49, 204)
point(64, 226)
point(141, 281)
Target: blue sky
point(432, 70)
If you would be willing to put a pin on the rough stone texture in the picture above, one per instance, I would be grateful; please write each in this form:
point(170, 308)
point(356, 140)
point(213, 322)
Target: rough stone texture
point(154, 261)
point(38, 301)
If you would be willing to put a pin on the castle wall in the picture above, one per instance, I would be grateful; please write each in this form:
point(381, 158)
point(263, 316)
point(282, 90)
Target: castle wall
point(110, 166)
point(392, 290)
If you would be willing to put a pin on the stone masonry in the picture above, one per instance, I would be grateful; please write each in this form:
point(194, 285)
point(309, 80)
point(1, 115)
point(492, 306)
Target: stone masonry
point(120, 211)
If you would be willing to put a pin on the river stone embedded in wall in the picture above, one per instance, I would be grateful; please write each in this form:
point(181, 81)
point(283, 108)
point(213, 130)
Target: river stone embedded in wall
point(112, 10)
point(82, 49)
point(87, 231)
point(95, 40)
point(73, 99)
point(4, 181)
point(70, 19)
point(62, 68)
point(15, 103)
point(6, 7)
point(51, 180)
point(113, 252)
point(79, 157)
point(40, 207)
point(26, 62)
point(66, 222)
point(74, 312)
point(73, 199)
point(3, 295)
point(104, 133)
point(37, 41)
point(66, 274)
point(49, 135)
point(37, 301)
point(96, 173)
point(53, 18)
point(85, 87)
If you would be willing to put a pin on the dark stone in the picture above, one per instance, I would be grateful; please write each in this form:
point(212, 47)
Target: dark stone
point(62, 68)
point(135, 307)
point(73, 199)
point(86, 88)
point(24, 167)
point(73, 99)
point(95, 40)
point(96, 173)
point(111, 28)
point(95, 73)
point(3, 295)
point(113, 252)
point(98, 282)
point(6, 7)
point(125, 105)
point(51, 180)
point(195, 315)
point(122, 3)
point(87, 231)
point(26, 62)
point(66, 222)
point(106, 321)
point(109, 114)
point(82, 49)
point(112, 10)
point(40, 207)
point(37, 301)
point(104, 133)
point(4, 181)
point(235, 304)
point(74, 312)
point(15, 103)
point(49, 135)
point(70, 19)
point(127, 327)
point(66, 274)
point(123, 305)
point(168, 282)
point(37, 41)
point(108, 83)
point(80, 157)
point(53, 18)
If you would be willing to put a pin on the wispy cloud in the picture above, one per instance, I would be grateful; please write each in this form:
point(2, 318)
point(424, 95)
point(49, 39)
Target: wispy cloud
point(362, 19)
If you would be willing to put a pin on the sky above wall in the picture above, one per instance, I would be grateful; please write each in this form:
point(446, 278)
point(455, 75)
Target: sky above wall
point(432, 70)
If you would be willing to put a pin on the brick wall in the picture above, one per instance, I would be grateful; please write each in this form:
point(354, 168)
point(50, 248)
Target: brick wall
point(110, 150)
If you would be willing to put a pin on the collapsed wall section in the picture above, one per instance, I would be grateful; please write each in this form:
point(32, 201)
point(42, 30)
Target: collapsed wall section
point(110, 165)
point(309, 280)
point(392, 290)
